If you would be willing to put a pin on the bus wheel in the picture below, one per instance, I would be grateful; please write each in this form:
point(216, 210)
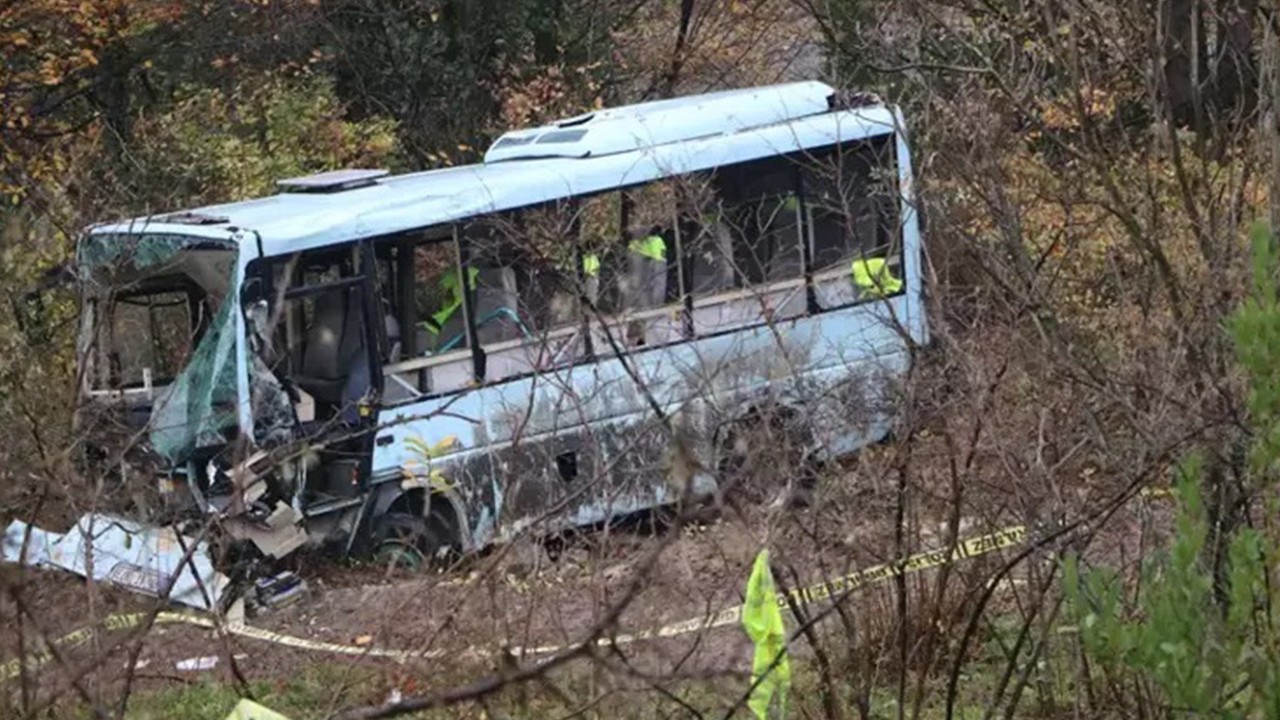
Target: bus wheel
point(405, 543)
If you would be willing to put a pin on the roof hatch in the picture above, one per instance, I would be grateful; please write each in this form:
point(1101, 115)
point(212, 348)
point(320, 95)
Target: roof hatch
point(632, 127)
point(192, 218)
point(332, 181)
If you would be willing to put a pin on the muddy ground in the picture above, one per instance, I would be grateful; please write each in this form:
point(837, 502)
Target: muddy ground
point(469, 619)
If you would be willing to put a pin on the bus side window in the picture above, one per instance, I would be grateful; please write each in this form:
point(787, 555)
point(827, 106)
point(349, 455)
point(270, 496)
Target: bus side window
point(648, 218)
point(538, 245)
point(599, 223)
point(853, 218)
point(526, 310)
point(760, 207)
point(422, 307)
point(705, 239)
point(496, 254)
point(644, 270)
point(744, 263)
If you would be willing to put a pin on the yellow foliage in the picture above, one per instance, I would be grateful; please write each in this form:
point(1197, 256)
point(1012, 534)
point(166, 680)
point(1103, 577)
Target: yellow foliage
point(1089, 266)
point(215, 146)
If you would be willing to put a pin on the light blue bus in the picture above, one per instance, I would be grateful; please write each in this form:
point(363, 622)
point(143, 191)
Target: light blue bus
point(448, 358)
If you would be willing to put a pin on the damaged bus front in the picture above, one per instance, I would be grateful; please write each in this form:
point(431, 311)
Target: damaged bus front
point(180, 411)
point(160, 349)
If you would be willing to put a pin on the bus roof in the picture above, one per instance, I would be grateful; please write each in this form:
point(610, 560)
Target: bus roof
point(688, 135)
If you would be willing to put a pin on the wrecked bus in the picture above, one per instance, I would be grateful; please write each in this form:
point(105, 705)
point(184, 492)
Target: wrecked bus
point(443, 359)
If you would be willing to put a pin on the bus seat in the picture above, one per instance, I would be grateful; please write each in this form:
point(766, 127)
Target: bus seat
point(713, 261)
point(497, 305)
point(496, 312)
point(333, 340)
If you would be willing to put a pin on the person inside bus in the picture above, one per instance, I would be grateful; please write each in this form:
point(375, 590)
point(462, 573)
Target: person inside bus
point(873, 278)
point(647, 269)
point(445, 322)
point(644, 284)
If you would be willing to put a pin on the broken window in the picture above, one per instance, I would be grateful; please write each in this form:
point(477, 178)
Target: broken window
point(743, 255)
point(757, 204)
point(145, 319)
point(851, 198)
point(199, 406)
point(323, 333)
point(160, 321)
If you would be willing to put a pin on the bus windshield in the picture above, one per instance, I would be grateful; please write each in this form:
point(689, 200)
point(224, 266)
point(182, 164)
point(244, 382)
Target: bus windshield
point(159, 332)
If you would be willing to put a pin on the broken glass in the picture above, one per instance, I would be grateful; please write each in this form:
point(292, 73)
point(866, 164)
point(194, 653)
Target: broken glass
point(139, 251)
point(200, 404)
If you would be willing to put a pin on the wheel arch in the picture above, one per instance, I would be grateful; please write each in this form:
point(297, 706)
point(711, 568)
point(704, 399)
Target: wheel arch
point(442, 509)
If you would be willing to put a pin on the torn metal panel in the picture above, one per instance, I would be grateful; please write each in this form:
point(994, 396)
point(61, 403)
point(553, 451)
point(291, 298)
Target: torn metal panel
point(125, 553)
point(278, 535)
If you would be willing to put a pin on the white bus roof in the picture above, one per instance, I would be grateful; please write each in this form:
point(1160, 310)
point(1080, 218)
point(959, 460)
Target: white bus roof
point(630, 145)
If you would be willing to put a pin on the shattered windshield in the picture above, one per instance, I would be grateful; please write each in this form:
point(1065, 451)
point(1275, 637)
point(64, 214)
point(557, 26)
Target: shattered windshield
point(160, 318)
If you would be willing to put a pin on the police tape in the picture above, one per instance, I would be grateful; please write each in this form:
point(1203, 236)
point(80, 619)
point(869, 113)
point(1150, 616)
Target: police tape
point(812, 594)
point(819, 592)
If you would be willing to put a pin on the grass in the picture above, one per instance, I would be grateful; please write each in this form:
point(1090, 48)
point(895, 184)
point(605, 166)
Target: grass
point(315, 692)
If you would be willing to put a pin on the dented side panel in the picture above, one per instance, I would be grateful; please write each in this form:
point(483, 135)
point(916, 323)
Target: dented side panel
point(579, 445)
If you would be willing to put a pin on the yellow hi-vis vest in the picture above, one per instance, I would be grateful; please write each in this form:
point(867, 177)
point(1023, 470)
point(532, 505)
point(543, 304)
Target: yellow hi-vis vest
point(652, 247)
point(872, 278)
point(453, 294)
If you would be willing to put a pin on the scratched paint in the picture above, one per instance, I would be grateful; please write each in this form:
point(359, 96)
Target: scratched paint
point(518, 439)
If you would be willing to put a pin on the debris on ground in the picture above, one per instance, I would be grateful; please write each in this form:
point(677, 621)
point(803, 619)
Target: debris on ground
point(279, 590)
point(276, 535)
point(122, 552)
point(196, 664)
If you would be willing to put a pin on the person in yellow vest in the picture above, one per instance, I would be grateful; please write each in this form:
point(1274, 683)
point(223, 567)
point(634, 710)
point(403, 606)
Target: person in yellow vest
point(591, 276)
point(565, 298)
point(873, 279)
point(647, 262)
point(451, 301)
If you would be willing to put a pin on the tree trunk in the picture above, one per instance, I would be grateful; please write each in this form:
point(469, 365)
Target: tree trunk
point(1177, 58)
point(113, 99)
point(1269, 130)
point(672, 75)
point(1235, 71)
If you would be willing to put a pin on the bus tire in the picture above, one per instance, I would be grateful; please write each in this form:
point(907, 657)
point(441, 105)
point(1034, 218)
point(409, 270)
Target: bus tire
point(406, 542)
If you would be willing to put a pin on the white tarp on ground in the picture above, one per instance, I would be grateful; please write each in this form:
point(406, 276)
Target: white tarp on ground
point(125, 553)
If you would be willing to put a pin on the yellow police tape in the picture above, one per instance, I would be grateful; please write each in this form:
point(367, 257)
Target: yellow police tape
point(818, 592)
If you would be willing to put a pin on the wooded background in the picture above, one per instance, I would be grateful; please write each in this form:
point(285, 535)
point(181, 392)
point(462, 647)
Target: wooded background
point(1089, 172)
